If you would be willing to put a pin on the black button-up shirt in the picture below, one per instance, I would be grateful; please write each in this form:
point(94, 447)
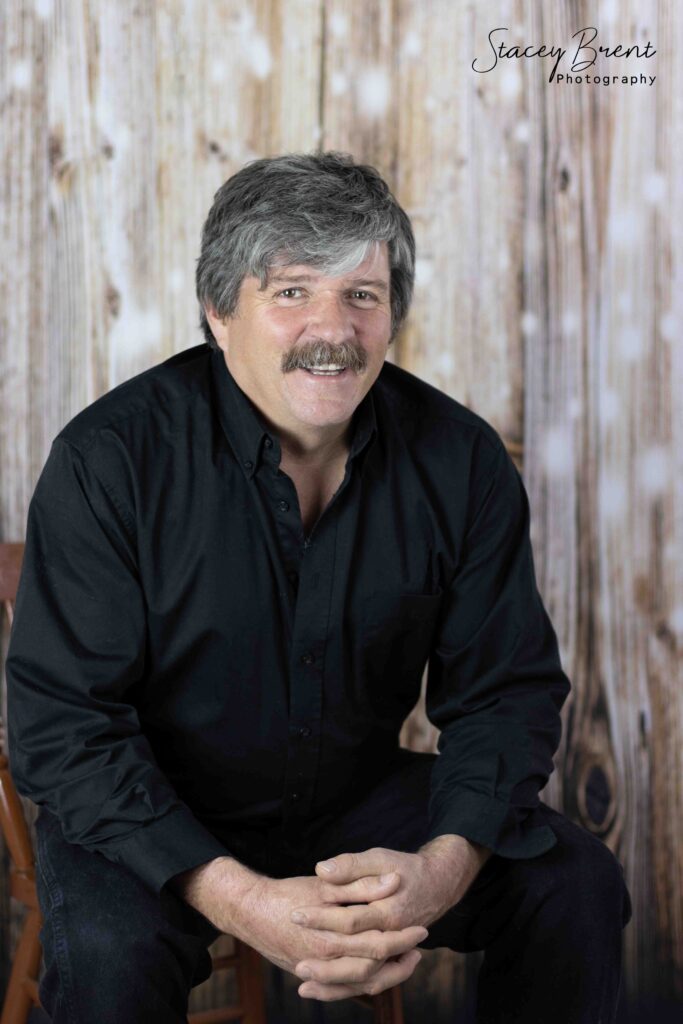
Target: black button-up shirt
point(185, 661)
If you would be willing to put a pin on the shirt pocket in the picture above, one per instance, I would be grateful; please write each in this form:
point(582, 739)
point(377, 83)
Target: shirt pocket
point(397, 631)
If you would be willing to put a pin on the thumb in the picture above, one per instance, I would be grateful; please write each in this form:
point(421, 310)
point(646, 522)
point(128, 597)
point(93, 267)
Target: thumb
point(348, 867)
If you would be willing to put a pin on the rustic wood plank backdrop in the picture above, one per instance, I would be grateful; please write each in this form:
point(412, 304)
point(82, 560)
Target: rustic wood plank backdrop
point(549, 298)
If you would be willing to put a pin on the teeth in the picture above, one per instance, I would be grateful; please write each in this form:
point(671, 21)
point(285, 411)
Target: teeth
point(326, 366)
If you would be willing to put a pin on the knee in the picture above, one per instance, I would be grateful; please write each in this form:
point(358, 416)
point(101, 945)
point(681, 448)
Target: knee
point(587, 877)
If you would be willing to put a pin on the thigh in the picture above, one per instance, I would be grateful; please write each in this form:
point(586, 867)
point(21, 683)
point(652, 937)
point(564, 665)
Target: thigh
point(110, 943)
point(393, 813)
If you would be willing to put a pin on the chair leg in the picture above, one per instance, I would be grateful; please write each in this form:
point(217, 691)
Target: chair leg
point(251, 984)
point(18, 1001)
point(388, 1006)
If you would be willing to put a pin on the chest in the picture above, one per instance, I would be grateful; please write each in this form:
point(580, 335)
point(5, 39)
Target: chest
point(314, 490)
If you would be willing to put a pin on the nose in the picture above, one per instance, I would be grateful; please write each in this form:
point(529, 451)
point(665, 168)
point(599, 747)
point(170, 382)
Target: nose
point(331, 319)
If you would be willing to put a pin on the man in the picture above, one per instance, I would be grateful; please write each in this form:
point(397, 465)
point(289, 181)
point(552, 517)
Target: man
point(237, 566)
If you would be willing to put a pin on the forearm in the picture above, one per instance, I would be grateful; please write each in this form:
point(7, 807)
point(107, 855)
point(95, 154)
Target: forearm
point(456, 861)
point(218, 890)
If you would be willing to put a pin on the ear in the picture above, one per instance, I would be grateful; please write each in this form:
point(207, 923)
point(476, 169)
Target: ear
point(217, 325)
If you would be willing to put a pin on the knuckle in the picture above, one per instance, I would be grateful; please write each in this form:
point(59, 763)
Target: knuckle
point(345, 926)
point(367, 971)
point(327, 947)
point(391, 921)
point(374, 986)
point(357, 921)
point(328, 892)
point(379, 950)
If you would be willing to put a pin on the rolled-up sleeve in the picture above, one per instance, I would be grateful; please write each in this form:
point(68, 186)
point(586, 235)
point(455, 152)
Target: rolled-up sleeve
point(495, 686)
point(76, 653)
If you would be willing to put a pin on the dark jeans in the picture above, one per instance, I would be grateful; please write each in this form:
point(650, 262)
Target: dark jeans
point(550, 926)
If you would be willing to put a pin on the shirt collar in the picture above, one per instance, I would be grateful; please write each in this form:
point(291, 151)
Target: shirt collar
point(247, 430)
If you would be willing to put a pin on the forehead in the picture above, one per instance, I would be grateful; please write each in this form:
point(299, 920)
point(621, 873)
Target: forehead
point(373, 270)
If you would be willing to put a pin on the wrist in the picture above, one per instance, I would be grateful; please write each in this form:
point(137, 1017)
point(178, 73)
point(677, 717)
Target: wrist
point(453, 863)
point(454, 848)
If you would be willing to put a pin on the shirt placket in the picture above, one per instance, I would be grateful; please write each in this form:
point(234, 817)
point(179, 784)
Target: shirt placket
point(309, 565)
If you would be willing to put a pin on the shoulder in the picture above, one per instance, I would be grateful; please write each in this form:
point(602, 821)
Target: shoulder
point(149, 404)
point(429, 417)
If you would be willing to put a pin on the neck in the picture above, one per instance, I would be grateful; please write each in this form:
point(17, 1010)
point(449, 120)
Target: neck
point(316, 449)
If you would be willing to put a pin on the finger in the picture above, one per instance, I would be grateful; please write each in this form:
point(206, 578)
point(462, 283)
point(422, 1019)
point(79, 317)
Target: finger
point(358, 917)
point(376, 945)
point(347, 867)
point(393, 972)
point(363, 890)
point(343, 970)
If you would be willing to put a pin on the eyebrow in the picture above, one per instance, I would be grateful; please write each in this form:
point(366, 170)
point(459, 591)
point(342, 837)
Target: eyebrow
point(358, 282)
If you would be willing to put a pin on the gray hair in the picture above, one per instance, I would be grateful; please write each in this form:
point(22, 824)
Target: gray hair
point(320, 209)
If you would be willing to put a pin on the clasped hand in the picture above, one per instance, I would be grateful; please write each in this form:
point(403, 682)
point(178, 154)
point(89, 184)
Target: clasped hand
point(360, 924)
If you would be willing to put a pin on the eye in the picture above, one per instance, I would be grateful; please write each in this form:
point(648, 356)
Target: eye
point(286, 290)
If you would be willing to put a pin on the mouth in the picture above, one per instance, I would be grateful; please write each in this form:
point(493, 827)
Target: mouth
point(326, 371)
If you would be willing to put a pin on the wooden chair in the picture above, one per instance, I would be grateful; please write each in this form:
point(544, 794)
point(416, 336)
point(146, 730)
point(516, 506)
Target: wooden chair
point(22, 989)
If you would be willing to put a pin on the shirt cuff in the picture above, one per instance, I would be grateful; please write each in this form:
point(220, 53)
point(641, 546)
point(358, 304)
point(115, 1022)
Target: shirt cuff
point(165, 847)
point(506, 830)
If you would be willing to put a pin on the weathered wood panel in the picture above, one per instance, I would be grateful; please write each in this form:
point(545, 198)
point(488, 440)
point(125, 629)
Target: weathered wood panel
point(548, 219)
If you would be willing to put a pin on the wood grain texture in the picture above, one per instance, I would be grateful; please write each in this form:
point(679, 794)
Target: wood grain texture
point(549, 298)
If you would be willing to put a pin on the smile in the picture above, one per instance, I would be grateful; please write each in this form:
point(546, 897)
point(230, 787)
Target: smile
point(326, 373)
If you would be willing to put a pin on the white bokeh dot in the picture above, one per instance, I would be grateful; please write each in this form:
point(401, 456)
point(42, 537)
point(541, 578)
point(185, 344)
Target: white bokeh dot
point(510, 82)
point(624, 302)
point(676, 619)
point(557, 452)
point(217, 71)
point(668, 325)
point(373, 92)
point(135, 331)
point(654, 188)
point(424, 271)
point(608, 11)
point(529, 323)
point(612, 495)
point(570, 321)
point(630, 342)
point(339, 25)
point(445, 363)
point(176, 280)
point(653, 469)
point(522, 132)
point(257, 55)
point(339, 83)
point(411, 46)
point(20, 74)
point(609, 405)
point(624, 226)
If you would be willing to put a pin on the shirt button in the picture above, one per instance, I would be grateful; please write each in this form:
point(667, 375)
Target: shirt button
point(307, 659)
point(294, 797)
point(268, 443)
point(283, 506)
point(304, 732)
point(248, 463)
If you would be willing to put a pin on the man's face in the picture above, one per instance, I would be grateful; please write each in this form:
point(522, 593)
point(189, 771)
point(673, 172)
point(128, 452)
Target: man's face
point(306, 319)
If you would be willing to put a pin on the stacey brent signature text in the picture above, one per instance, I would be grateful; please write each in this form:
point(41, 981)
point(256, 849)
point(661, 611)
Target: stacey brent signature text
point(584, 57)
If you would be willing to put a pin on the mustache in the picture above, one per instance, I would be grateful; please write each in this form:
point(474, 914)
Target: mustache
point(319, 353)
